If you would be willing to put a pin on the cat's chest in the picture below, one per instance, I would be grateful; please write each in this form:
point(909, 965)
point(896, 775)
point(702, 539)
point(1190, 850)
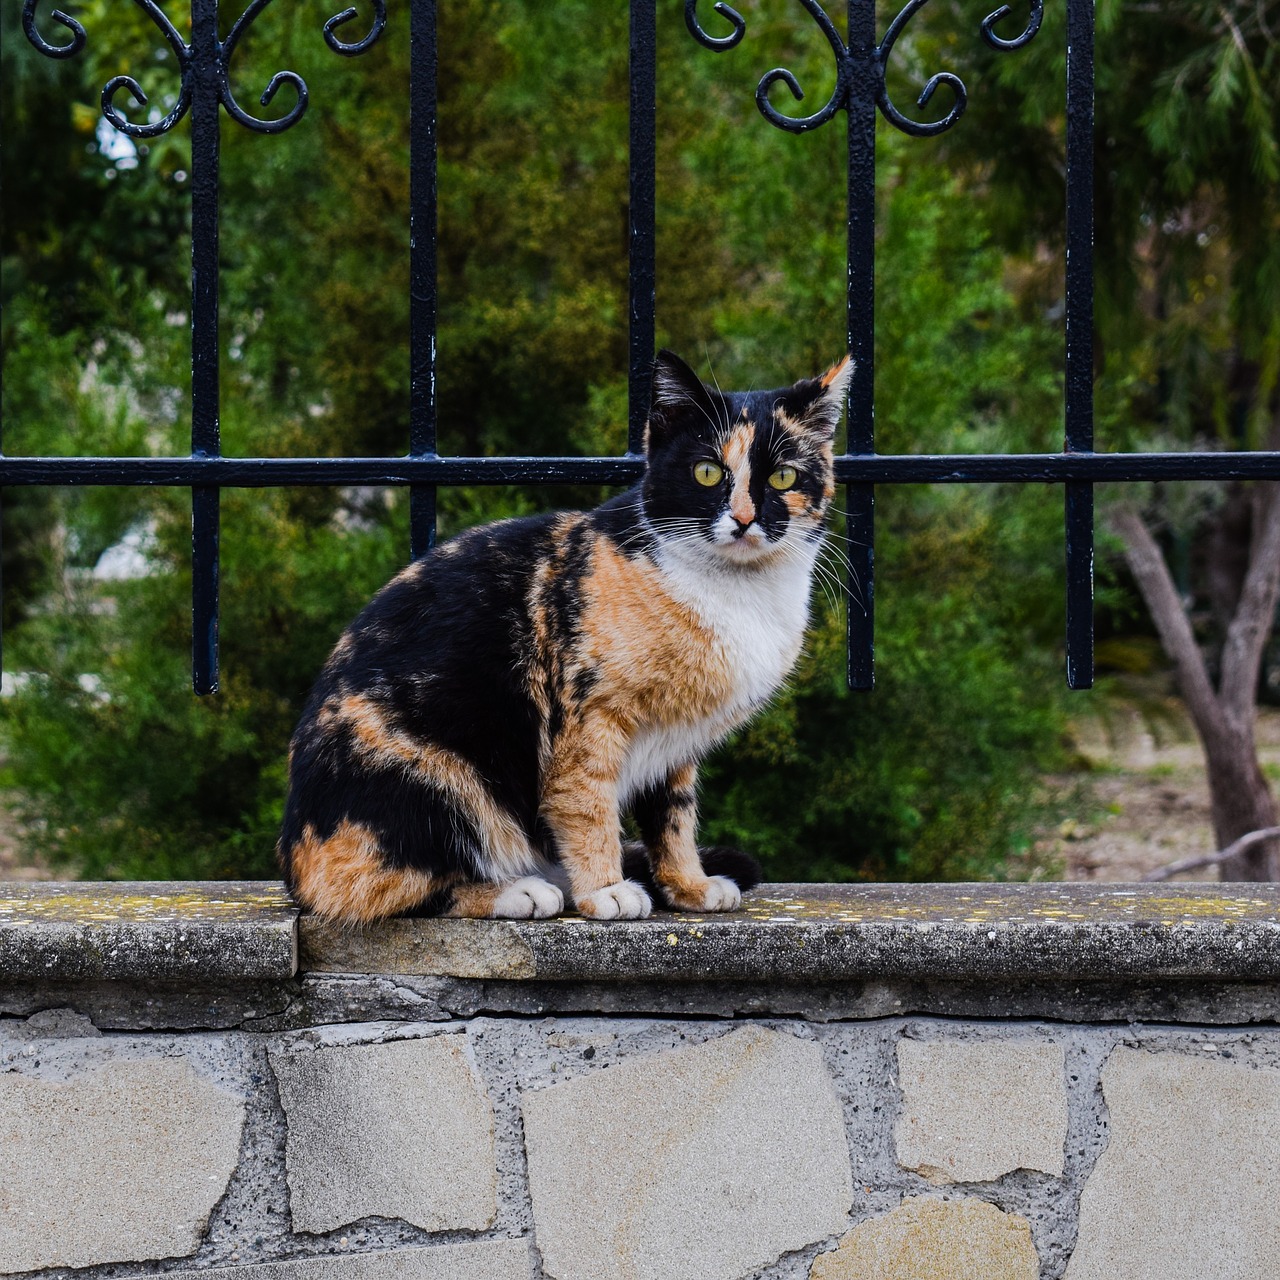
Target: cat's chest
point(758, 632)
point(756, 627)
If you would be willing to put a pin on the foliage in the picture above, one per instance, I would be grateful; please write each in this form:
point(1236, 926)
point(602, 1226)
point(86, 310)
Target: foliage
point(929, 776)
point(1187, 195)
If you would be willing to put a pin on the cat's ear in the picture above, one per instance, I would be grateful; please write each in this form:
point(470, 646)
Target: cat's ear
point(677, 393)
point(821, 400)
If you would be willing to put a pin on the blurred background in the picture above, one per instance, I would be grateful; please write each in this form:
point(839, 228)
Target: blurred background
point(970, 759)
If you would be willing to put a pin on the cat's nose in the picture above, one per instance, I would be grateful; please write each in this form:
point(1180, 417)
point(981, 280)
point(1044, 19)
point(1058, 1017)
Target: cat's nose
point(739, 528)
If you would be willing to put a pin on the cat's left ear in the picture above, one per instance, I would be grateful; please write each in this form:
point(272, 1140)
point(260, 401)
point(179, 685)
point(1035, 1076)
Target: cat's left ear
point(822, 400)
point(679, 398)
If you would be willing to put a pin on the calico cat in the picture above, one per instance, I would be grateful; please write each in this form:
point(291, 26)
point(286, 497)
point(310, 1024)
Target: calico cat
point(479, 729)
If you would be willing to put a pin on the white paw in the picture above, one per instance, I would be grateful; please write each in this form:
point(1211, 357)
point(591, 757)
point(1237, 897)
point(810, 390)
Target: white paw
point(722, 894)
point(625, 900)
point(530, 898)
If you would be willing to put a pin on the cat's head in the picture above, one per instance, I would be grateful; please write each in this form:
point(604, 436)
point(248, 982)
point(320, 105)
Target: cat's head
point(742, 476)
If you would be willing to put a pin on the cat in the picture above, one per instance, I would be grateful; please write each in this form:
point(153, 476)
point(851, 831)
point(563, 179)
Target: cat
point(480, 728)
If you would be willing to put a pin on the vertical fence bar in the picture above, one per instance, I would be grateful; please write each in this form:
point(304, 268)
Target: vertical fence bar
point(640, 216)
point(1078, 408)
point(422, 267)
point(860, 301)
point(205, 437)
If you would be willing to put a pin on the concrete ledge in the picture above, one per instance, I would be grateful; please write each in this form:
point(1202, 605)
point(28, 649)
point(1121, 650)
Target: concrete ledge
point(224, 933)
point(174, 931)
point(822, 933)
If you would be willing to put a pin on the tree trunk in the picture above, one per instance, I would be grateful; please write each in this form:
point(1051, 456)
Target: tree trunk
point(1240, 796)
point(1240, 802)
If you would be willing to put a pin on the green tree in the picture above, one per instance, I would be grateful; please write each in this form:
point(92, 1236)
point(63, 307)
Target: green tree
point(929, 776)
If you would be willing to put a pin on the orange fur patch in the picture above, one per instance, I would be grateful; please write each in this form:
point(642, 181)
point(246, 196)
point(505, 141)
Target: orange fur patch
point(580, 802)
point(345, 878)
point(658, 664)
point(798, 505)
point(736, 452)
point(474, 900)
point(834, 372)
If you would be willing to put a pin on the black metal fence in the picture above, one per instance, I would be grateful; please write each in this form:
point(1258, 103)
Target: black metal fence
point(860, 90)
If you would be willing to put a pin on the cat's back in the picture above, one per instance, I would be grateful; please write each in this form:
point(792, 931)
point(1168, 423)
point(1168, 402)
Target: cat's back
point(447, 601)
point(439, 654)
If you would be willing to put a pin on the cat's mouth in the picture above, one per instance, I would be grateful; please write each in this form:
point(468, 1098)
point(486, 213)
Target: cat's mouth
point(750, 545)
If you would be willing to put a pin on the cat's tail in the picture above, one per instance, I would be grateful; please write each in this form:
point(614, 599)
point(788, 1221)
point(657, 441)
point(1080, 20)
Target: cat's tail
point(717, 860)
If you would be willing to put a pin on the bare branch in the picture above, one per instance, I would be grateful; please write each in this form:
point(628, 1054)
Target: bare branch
point(1242, 845)
point(1247, 634)
point(1146, 563)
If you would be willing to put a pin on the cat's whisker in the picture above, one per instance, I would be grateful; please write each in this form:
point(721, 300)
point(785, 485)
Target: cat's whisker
point(833, 545)
point(823, 580)
point(850, 583)
point(839, 511)
point(726, 425)
point(842, 596)
point(834, 552)
point(826, 573)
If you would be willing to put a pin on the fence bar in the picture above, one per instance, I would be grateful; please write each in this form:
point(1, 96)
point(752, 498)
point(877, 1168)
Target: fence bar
point(1079, 372)
point(860, 288)
point(422, 267)
point(884, 468)
point(205, 435)
point(640, 216)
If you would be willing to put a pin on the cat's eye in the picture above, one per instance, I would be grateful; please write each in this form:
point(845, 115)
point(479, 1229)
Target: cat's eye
point(783, 478)
point(708, 473)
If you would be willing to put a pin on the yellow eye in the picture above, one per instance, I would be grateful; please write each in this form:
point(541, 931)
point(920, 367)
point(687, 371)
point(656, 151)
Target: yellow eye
point(783, 478)
point(708, 473)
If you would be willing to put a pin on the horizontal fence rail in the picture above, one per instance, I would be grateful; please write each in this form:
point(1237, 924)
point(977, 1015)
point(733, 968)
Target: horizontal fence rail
point(883, 468)
point(860, 92)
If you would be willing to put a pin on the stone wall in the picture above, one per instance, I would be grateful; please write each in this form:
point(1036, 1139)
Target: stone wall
point(944, 1081)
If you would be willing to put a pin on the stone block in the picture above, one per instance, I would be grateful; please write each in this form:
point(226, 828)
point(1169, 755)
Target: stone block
point(975, 1110)
point(1187, 1184)
point(483, 1260)
point(698, 1163)
point(123, 1162)
point(402, 1129)
point(927, 1239)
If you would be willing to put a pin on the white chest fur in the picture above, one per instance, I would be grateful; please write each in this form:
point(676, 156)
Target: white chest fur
point(758, 617)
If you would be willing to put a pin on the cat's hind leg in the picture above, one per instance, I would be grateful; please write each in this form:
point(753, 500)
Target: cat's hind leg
point(529, 898)
point(346, 877)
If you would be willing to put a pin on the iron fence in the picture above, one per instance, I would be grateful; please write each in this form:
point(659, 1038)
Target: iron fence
point(860, 91)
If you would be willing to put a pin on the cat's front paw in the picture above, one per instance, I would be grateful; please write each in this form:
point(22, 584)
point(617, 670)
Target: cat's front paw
point(715, 893)
point(625, 900)
point(531, 898)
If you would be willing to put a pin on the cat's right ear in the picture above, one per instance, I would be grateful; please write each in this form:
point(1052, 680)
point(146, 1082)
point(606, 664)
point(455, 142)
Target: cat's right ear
point(677, 393)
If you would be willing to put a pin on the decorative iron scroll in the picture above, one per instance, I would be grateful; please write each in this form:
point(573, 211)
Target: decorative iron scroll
point(184, 54)
point(846, 61)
